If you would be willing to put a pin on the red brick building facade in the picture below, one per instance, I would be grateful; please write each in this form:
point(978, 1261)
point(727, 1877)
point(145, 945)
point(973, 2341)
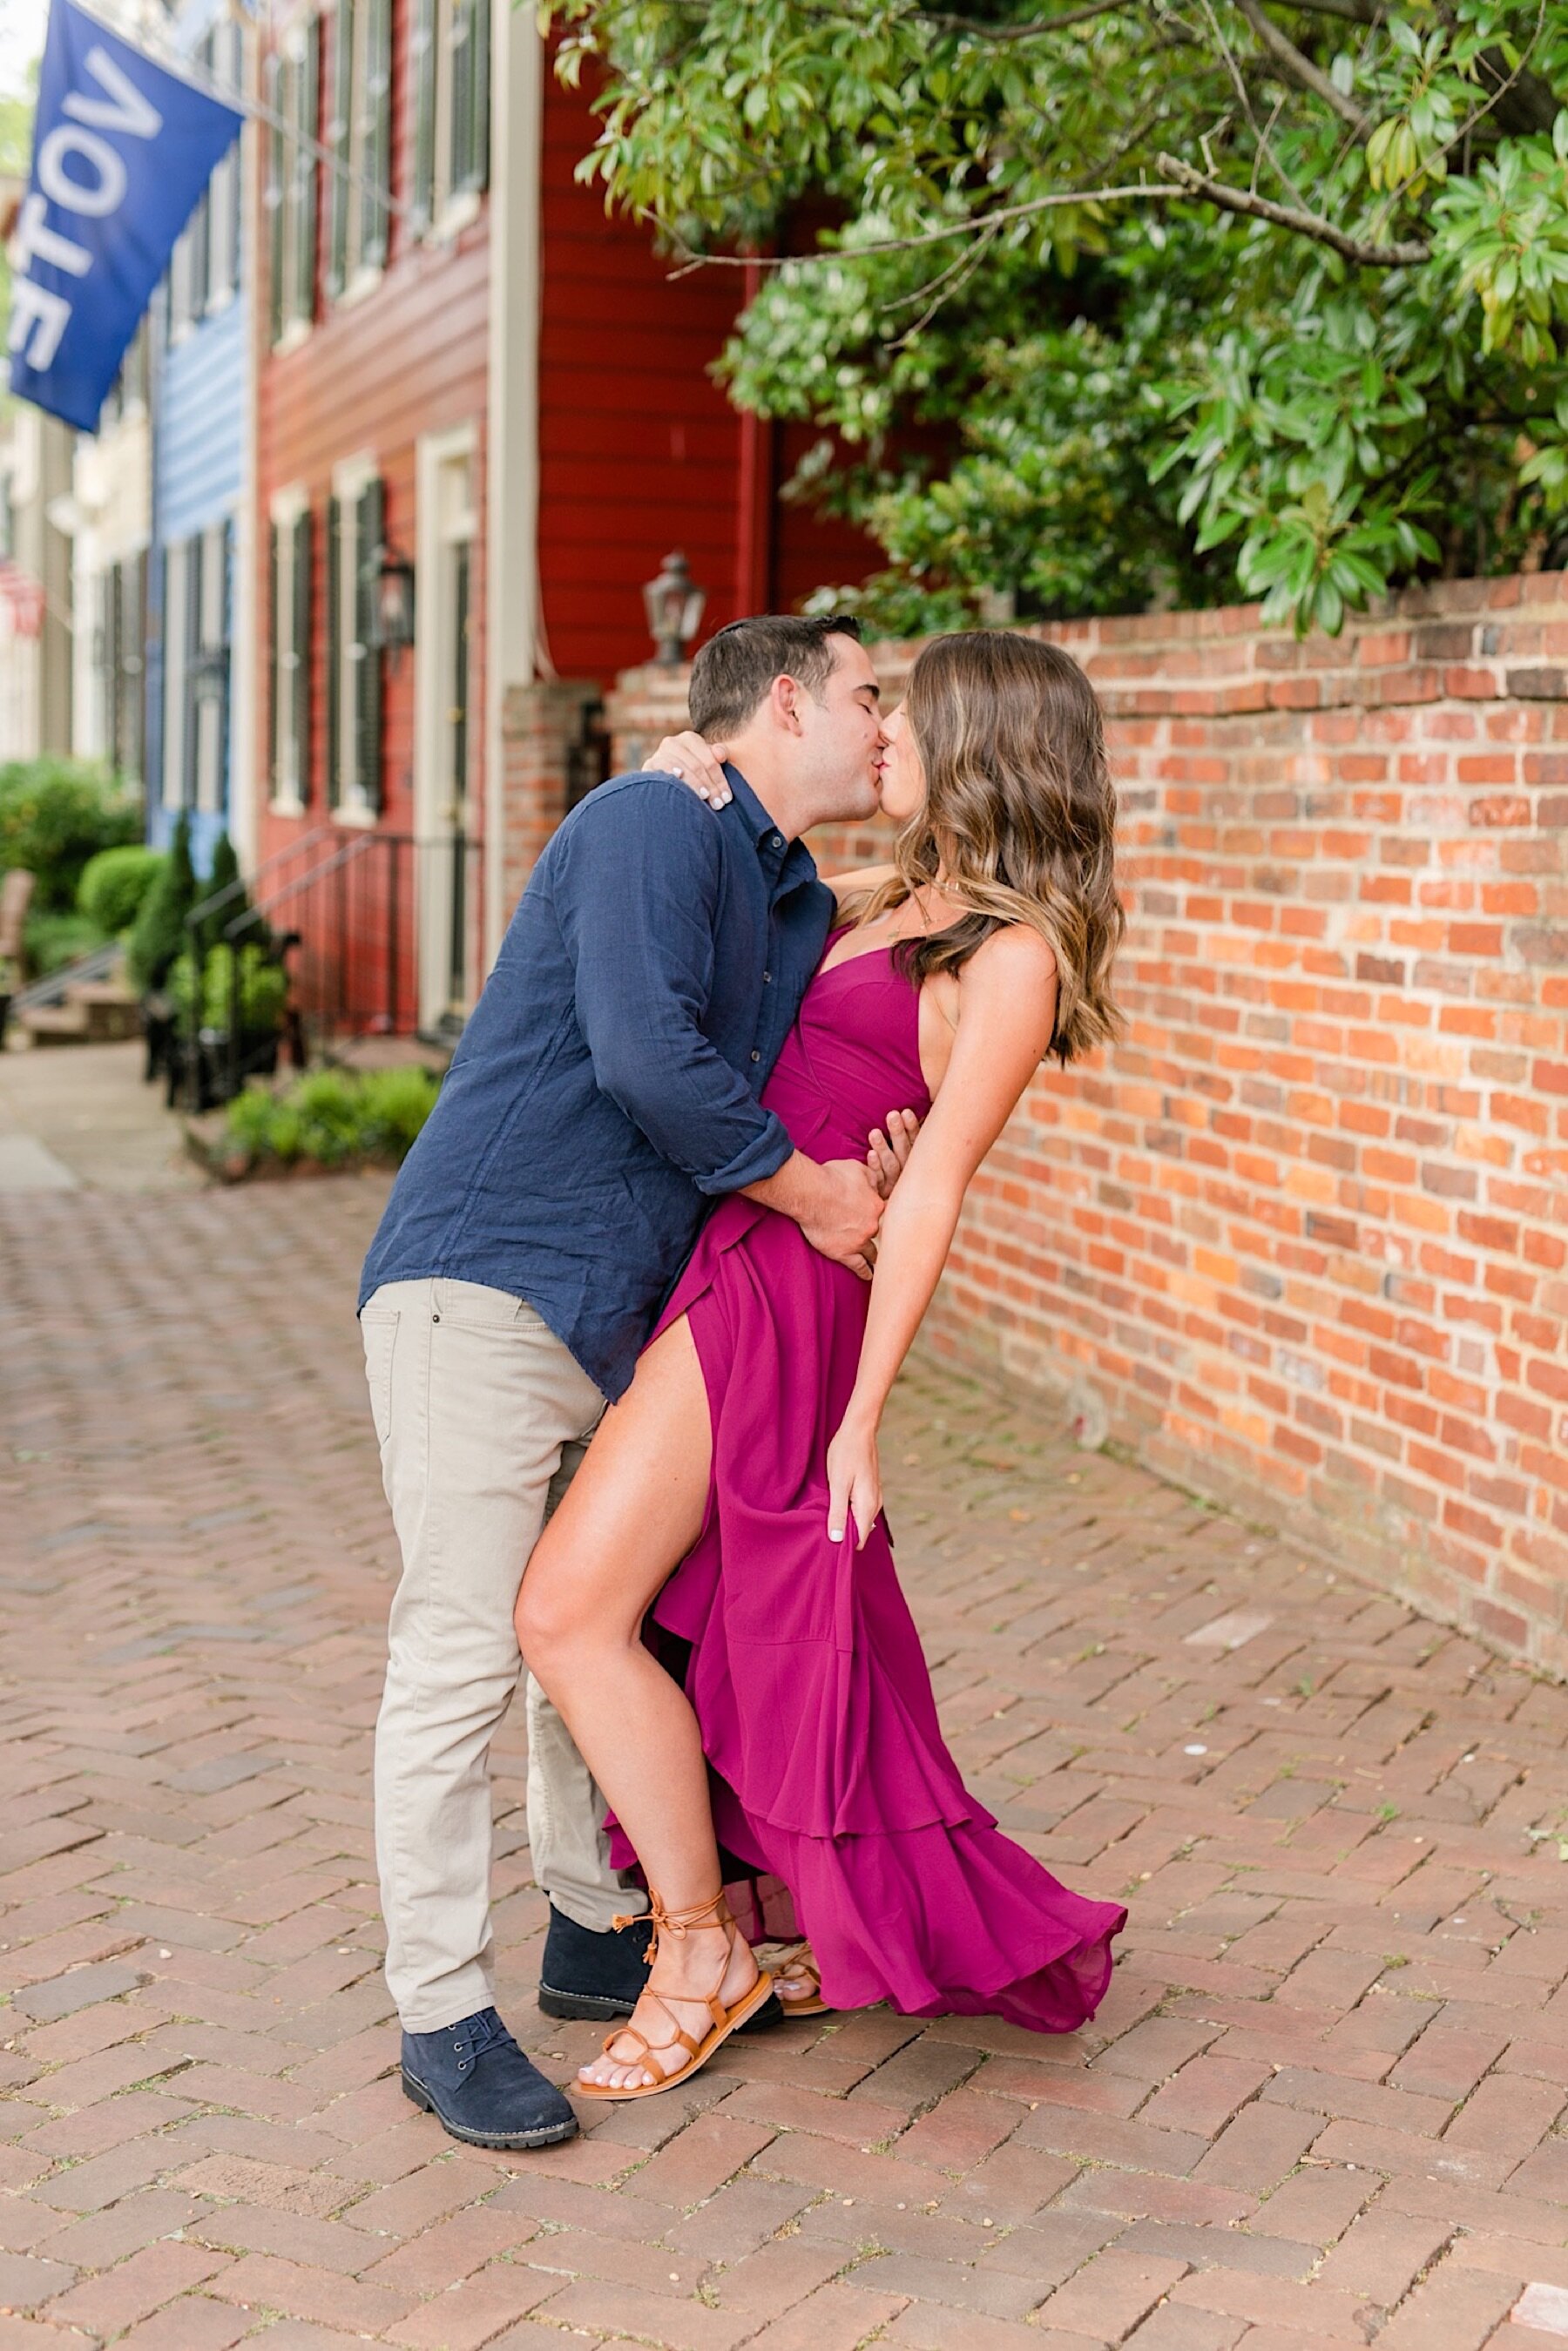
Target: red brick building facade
point(467, 368)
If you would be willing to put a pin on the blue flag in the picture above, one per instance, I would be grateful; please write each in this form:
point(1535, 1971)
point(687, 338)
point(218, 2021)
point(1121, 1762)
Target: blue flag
point(121, 151)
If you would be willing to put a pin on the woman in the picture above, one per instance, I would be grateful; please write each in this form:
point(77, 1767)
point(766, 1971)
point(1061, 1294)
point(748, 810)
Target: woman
point(735, 1490)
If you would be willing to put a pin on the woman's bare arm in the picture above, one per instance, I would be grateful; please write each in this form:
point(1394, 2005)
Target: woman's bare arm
point(862, 877)
point(1006, 1014)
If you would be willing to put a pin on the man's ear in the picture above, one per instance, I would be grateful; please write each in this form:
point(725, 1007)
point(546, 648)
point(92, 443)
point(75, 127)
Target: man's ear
point(785, 696)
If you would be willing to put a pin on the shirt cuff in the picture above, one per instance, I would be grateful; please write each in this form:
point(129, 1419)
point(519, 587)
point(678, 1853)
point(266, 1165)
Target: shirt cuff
point(761, 1158)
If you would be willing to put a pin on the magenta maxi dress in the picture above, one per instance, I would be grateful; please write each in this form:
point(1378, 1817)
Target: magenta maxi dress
point(805, 1670)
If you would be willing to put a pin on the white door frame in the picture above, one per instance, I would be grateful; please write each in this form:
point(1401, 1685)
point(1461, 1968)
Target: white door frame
point(435, 531)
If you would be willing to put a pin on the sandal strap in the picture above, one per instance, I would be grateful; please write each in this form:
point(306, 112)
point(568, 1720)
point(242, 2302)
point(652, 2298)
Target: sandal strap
point(629, 2031)
point(675, 1922)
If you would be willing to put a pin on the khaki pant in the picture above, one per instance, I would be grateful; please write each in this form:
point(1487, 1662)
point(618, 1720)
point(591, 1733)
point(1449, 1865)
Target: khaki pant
point(482, 1416)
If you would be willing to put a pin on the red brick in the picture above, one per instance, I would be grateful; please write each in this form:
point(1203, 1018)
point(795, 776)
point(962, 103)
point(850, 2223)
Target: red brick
point(839, 2317)
point(263, 2281)
point(191, 2324)
point(474, 2311)
point(132, 2289)
point(700, 2159)
point(1110, 2294)
point(1453, 2309)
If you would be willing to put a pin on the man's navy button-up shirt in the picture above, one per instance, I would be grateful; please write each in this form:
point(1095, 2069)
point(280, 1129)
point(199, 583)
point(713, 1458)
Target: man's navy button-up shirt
point(606, 1085)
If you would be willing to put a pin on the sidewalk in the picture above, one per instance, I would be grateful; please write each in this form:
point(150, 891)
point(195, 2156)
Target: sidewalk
point(75, 1114)
point(1320, 2104)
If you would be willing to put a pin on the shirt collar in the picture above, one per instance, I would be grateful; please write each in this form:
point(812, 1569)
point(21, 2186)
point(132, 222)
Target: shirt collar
point(757, 821)
point(788, 862)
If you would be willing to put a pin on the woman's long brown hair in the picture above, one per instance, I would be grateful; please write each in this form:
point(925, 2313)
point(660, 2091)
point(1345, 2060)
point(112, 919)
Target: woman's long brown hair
point(1019, 818)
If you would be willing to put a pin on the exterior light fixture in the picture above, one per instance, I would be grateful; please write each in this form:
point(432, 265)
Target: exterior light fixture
point(675, 610)
point(391, 605)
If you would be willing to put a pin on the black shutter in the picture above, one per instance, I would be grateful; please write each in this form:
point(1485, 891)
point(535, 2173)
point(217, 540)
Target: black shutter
point(369, 532)
point(222, 551)
point(422, 74)
point(103, 657)
point(461, 92)
point(272, 85)
point(305, 176)
point(301, 674)
point(199, 233)
point(277, 675)
point(334, 652)
point(340, 101)
point(191, 748)
point(229, 228)
point(114, 634)
point(375, 152)
point(478, 172)
point(136, 664)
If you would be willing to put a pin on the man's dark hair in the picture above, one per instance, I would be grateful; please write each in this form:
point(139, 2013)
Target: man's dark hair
point(734, 669)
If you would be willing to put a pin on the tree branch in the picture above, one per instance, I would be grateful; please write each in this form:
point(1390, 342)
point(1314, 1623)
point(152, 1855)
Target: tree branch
point(1522, 102)
point(949, 23)
point(1322, 232)
point(973, 224)
point(1300, 69)
point(1185, 182)
point(1353, 12)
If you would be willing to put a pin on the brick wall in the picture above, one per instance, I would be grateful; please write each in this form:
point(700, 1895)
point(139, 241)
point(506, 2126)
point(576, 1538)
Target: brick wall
point(1303, 1231)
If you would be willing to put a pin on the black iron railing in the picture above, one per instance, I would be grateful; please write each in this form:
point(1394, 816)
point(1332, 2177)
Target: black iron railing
point(378, 935)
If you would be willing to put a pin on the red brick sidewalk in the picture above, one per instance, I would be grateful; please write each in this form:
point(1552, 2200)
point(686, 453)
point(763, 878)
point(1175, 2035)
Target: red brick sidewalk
point(1318, 2109)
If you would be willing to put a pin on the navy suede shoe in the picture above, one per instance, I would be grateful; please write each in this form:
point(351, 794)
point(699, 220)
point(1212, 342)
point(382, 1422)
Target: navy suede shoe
point(477, 2082)
point(602, 1977)
point(585, 1974)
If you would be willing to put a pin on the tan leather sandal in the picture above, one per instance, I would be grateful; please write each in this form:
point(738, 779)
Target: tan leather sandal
point(724, 2020)
point(803, 1968)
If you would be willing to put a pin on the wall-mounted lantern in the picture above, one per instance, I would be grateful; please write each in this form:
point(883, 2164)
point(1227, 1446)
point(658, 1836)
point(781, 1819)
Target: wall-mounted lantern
point(675, 610)
point(391, 601)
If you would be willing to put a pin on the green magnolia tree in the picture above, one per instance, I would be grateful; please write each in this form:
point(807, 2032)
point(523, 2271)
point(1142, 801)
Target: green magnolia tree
point(1171, 299)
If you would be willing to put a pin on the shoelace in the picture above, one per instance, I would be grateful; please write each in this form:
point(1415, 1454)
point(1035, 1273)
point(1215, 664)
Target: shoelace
point(480, 2035)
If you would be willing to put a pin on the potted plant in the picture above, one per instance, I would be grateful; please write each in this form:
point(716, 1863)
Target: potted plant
point(233, 1002)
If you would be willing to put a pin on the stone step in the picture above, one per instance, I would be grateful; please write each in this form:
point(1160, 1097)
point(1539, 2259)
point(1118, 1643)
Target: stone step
point(111, 1012)
point(54, 1024)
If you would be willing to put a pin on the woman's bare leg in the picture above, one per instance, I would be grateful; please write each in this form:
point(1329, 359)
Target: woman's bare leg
point(630, 1516)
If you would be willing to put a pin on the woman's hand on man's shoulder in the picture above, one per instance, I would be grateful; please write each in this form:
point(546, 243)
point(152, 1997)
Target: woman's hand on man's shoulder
point(698, 763)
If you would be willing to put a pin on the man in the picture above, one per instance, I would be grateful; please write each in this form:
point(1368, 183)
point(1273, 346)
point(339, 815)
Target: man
point(605, 1090)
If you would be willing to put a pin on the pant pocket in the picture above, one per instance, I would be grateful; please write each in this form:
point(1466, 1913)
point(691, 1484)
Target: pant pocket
point(378, 1329)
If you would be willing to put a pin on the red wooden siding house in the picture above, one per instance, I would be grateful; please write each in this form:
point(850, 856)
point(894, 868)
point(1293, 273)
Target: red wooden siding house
point(484, 416)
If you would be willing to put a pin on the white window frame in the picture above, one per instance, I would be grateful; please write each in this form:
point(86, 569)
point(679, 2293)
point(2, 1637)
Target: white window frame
point(451, 210)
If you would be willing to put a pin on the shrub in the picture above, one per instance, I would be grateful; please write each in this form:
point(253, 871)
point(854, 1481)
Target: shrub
point(55, 814)
point(393, 1106)
point(225, 873)
point(52, 941)
point(333, 1117)
point(263, 989)
point(114, 883)
point(158, 935)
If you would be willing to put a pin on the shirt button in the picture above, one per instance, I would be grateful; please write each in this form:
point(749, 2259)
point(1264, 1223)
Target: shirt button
point(756, 1057)
point(777, 840)
point(767, 979)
